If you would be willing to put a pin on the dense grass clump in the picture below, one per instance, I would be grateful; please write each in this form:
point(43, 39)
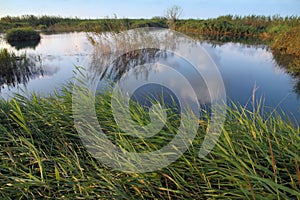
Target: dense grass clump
point(22, 34)
point(41, 156)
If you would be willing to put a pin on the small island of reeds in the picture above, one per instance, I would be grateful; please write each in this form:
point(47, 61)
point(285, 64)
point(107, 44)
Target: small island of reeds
point(26, 34)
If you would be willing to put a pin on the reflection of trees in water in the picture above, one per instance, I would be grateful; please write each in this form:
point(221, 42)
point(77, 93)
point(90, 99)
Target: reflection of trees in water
point(290, 64)
point(17, 70)
point(218, 40)
point(24, 44)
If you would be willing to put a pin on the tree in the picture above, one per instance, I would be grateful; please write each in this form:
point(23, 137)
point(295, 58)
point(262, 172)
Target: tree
point(172, 14)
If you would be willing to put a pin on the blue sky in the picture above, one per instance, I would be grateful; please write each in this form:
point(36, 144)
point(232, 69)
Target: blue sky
point(148, 8)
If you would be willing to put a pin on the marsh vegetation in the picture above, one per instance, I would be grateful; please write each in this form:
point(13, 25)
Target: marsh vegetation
point(42, 156)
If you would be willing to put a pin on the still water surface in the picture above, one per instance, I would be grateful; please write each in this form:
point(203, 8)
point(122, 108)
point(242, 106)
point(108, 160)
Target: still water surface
point(243, 68)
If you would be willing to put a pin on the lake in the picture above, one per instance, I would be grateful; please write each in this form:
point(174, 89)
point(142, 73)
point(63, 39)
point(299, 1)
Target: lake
point(242, 67)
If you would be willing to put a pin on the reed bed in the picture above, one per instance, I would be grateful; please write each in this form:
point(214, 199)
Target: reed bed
point(256, 157)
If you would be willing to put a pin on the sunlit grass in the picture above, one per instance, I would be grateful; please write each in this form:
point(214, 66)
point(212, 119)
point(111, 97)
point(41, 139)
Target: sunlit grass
point(41, 156)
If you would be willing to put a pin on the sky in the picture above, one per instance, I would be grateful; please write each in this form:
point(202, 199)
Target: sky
point(198, 9)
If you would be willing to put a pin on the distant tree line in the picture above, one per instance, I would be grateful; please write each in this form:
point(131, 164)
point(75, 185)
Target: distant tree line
point(56, 23)
point(251, 25)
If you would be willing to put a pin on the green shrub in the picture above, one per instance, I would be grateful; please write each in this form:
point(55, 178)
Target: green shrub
point(22, 34)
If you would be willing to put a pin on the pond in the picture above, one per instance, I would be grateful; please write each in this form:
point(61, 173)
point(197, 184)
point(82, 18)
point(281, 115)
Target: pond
point(244, 68)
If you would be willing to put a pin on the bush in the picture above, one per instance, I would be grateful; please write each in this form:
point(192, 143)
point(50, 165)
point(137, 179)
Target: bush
point(22, 34)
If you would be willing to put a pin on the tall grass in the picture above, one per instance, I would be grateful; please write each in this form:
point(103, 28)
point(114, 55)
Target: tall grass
point(41, 156)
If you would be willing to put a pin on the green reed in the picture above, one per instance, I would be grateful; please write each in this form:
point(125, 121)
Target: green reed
point(256, 157)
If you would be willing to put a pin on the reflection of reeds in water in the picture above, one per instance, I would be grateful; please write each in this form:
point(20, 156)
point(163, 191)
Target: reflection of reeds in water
point(115, 54)
point(15, 70)
point(129, 60)
point(124, 50)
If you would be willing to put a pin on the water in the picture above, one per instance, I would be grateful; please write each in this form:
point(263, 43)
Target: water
point(59, 54)
point(243, 69)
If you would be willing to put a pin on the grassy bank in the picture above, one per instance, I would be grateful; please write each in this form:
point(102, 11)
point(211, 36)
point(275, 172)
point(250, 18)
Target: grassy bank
point(41, 156)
